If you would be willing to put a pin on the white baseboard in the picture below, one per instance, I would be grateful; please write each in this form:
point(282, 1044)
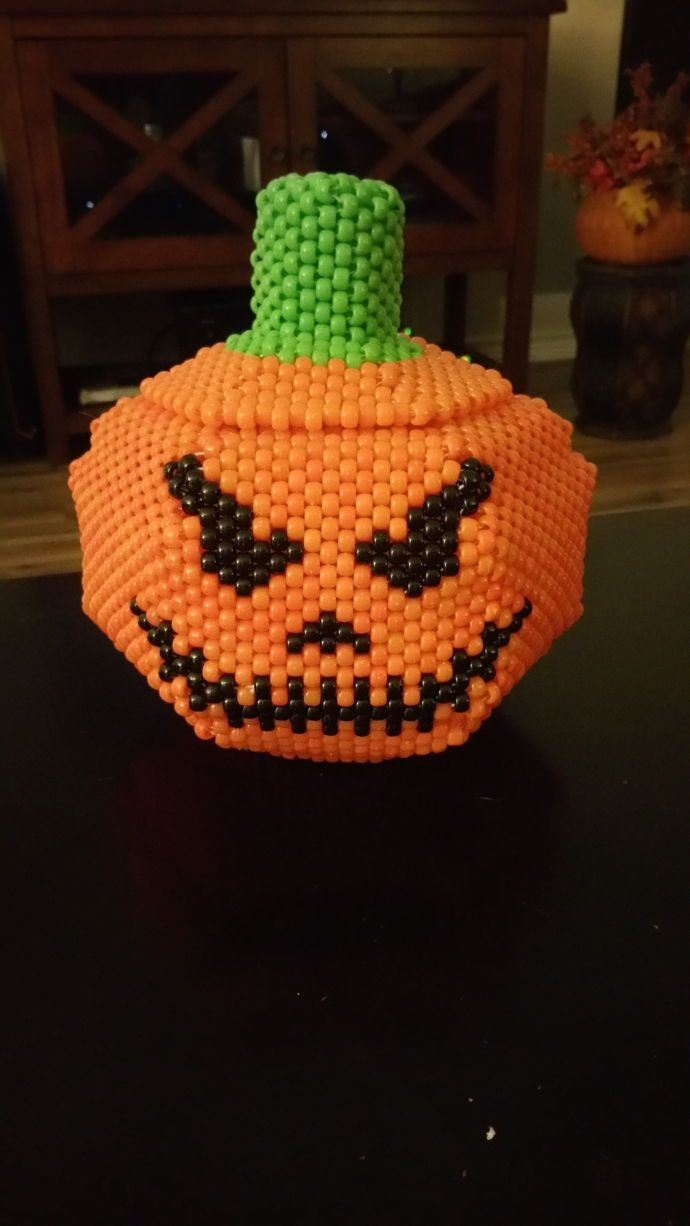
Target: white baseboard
point(552, 338)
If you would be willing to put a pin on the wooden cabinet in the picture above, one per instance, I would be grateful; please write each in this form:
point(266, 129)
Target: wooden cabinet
point(136, 145)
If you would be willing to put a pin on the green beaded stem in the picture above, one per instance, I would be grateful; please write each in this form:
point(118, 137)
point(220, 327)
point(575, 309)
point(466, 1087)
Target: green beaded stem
point(327, 272)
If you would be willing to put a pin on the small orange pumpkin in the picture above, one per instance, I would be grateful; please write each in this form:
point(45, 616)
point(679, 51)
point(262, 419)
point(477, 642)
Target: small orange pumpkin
point(604, 234)
point(324, 539)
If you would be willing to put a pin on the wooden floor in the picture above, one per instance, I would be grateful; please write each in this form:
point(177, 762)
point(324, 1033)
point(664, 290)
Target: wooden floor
point(38, 529)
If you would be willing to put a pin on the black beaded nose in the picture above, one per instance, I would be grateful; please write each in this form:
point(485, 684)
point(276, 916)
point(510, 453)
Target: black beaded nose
point(329, 634)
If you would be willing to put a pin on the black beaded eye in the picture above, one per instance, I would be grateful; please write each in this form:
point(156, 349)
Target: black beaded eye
point(228, 546)
point(430, 551)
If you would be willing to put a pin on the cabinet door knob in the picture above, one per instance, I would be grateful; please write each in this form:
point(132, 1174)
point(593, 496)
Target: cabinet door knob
point(278, 154)
point(307, 153)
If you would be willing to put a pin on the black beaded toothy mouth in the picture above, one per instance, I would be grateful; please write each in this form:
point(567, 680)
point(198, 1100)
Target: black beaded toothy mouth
point(428, 553)
point(328, 713)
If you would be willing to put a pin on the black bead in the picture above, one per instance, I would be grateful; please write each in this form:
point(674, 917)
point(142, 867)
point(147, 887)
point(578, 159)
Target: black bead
point(397, 577)
point(261, 551)
point(487, 472)
point(329, 706)
point(170, 469)
point(361, 689)
point(266, 723)
point(282, 713)
point(179, 666)
point(295, 688)
point(432, 530)
point(279, 540)
point(475, 666)
point(346, 713)
point(445, 693)
point(363, 552)
point(451, 566)
point(393, 727)
point(225, 526)
point(527, 608)
point(165, 672)
point(227, 575)
point(312, 632)
point(209, 538)
point(426, 723)
point(295, 551)
point(471, 465)
point(327, 620)
point(414, 588)
point(314, 713)
point(330, 726)
point(449, 497)
point(197, 702)
point(361, 727)
point(293, 644)
point(362, 708)
point(461, 702)
point(379, 565)
point(243, 587)
point(228, 687)
point(449, 542)
point(395, 708)
point(345, 634)
point(459, 658)
point(167, 655)
point(415, 542)
point(196, 682)
point(209, 563)
point(488, 672)
point(244, 541)
point(243, 517)
point(262, 687)
point(226, 504)
point(461, 681)
point(470, 506)
point(328, 646)
point(503, 638)
point(134, 608)
point(450, 521)
point(243, 565)
point(226, 551)
point(260, 576)
point(144, 622)
point(432, 554)
point(415, 518)
point(175, 486)
point(153, 635)
point(379, 712)
point(213, 692)
point(433, 505)
point(189, 504)
point(489, 654)
point(249, 712)
point(277, 564)
point(410, 714)
point(427, 707)
point(233, 712)
point(414, 567)
point(189, 460)
point(428, 686)
point(395, 687)
point(328, 690)
point(193, 481)
point(432, 577)
point(209, 493)
point(380, 542)
point(398, 552)
point(362, 644)
point(515, 625)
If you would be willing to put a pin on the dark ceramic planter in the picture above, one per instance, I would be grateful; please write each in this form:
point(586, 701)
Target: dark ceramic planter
point(631, 322)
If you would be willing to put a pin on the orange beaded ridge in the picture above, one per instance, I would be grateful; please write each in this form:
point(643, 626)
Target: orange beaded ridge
point(332, 562)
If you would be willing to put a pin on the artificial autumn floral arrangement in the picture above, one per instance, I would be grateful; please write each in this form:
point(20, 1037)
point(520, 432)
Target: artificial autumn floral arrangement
point(643, 155)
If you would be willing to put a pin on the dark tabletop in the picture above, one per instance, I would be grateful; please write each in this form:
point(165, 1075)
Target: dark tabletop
point(248, 991)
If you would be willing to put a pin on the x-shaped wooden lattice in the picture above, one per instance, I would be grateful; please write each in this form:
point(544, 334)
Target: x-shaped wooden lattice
point(158, 156)
point(412, 147)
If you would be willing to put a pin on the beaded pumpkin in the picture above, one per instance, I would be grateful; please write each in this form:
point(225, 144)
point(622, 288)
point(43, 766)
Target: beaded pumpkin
point(323, 539)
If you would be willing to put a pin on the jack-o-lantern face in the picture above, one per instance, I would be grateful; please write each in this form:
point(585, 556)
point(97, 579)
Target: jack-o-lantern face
point(332, 561)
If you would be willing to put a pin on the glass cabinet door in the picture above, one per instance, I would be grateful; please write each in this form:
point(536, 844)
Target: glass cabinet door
point(149, 153)
point(437, 118)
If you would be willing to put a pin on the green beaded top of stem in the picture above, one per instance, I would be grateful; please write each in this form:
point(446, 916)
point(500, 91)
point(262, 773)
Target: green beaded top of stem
point(327, 272)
